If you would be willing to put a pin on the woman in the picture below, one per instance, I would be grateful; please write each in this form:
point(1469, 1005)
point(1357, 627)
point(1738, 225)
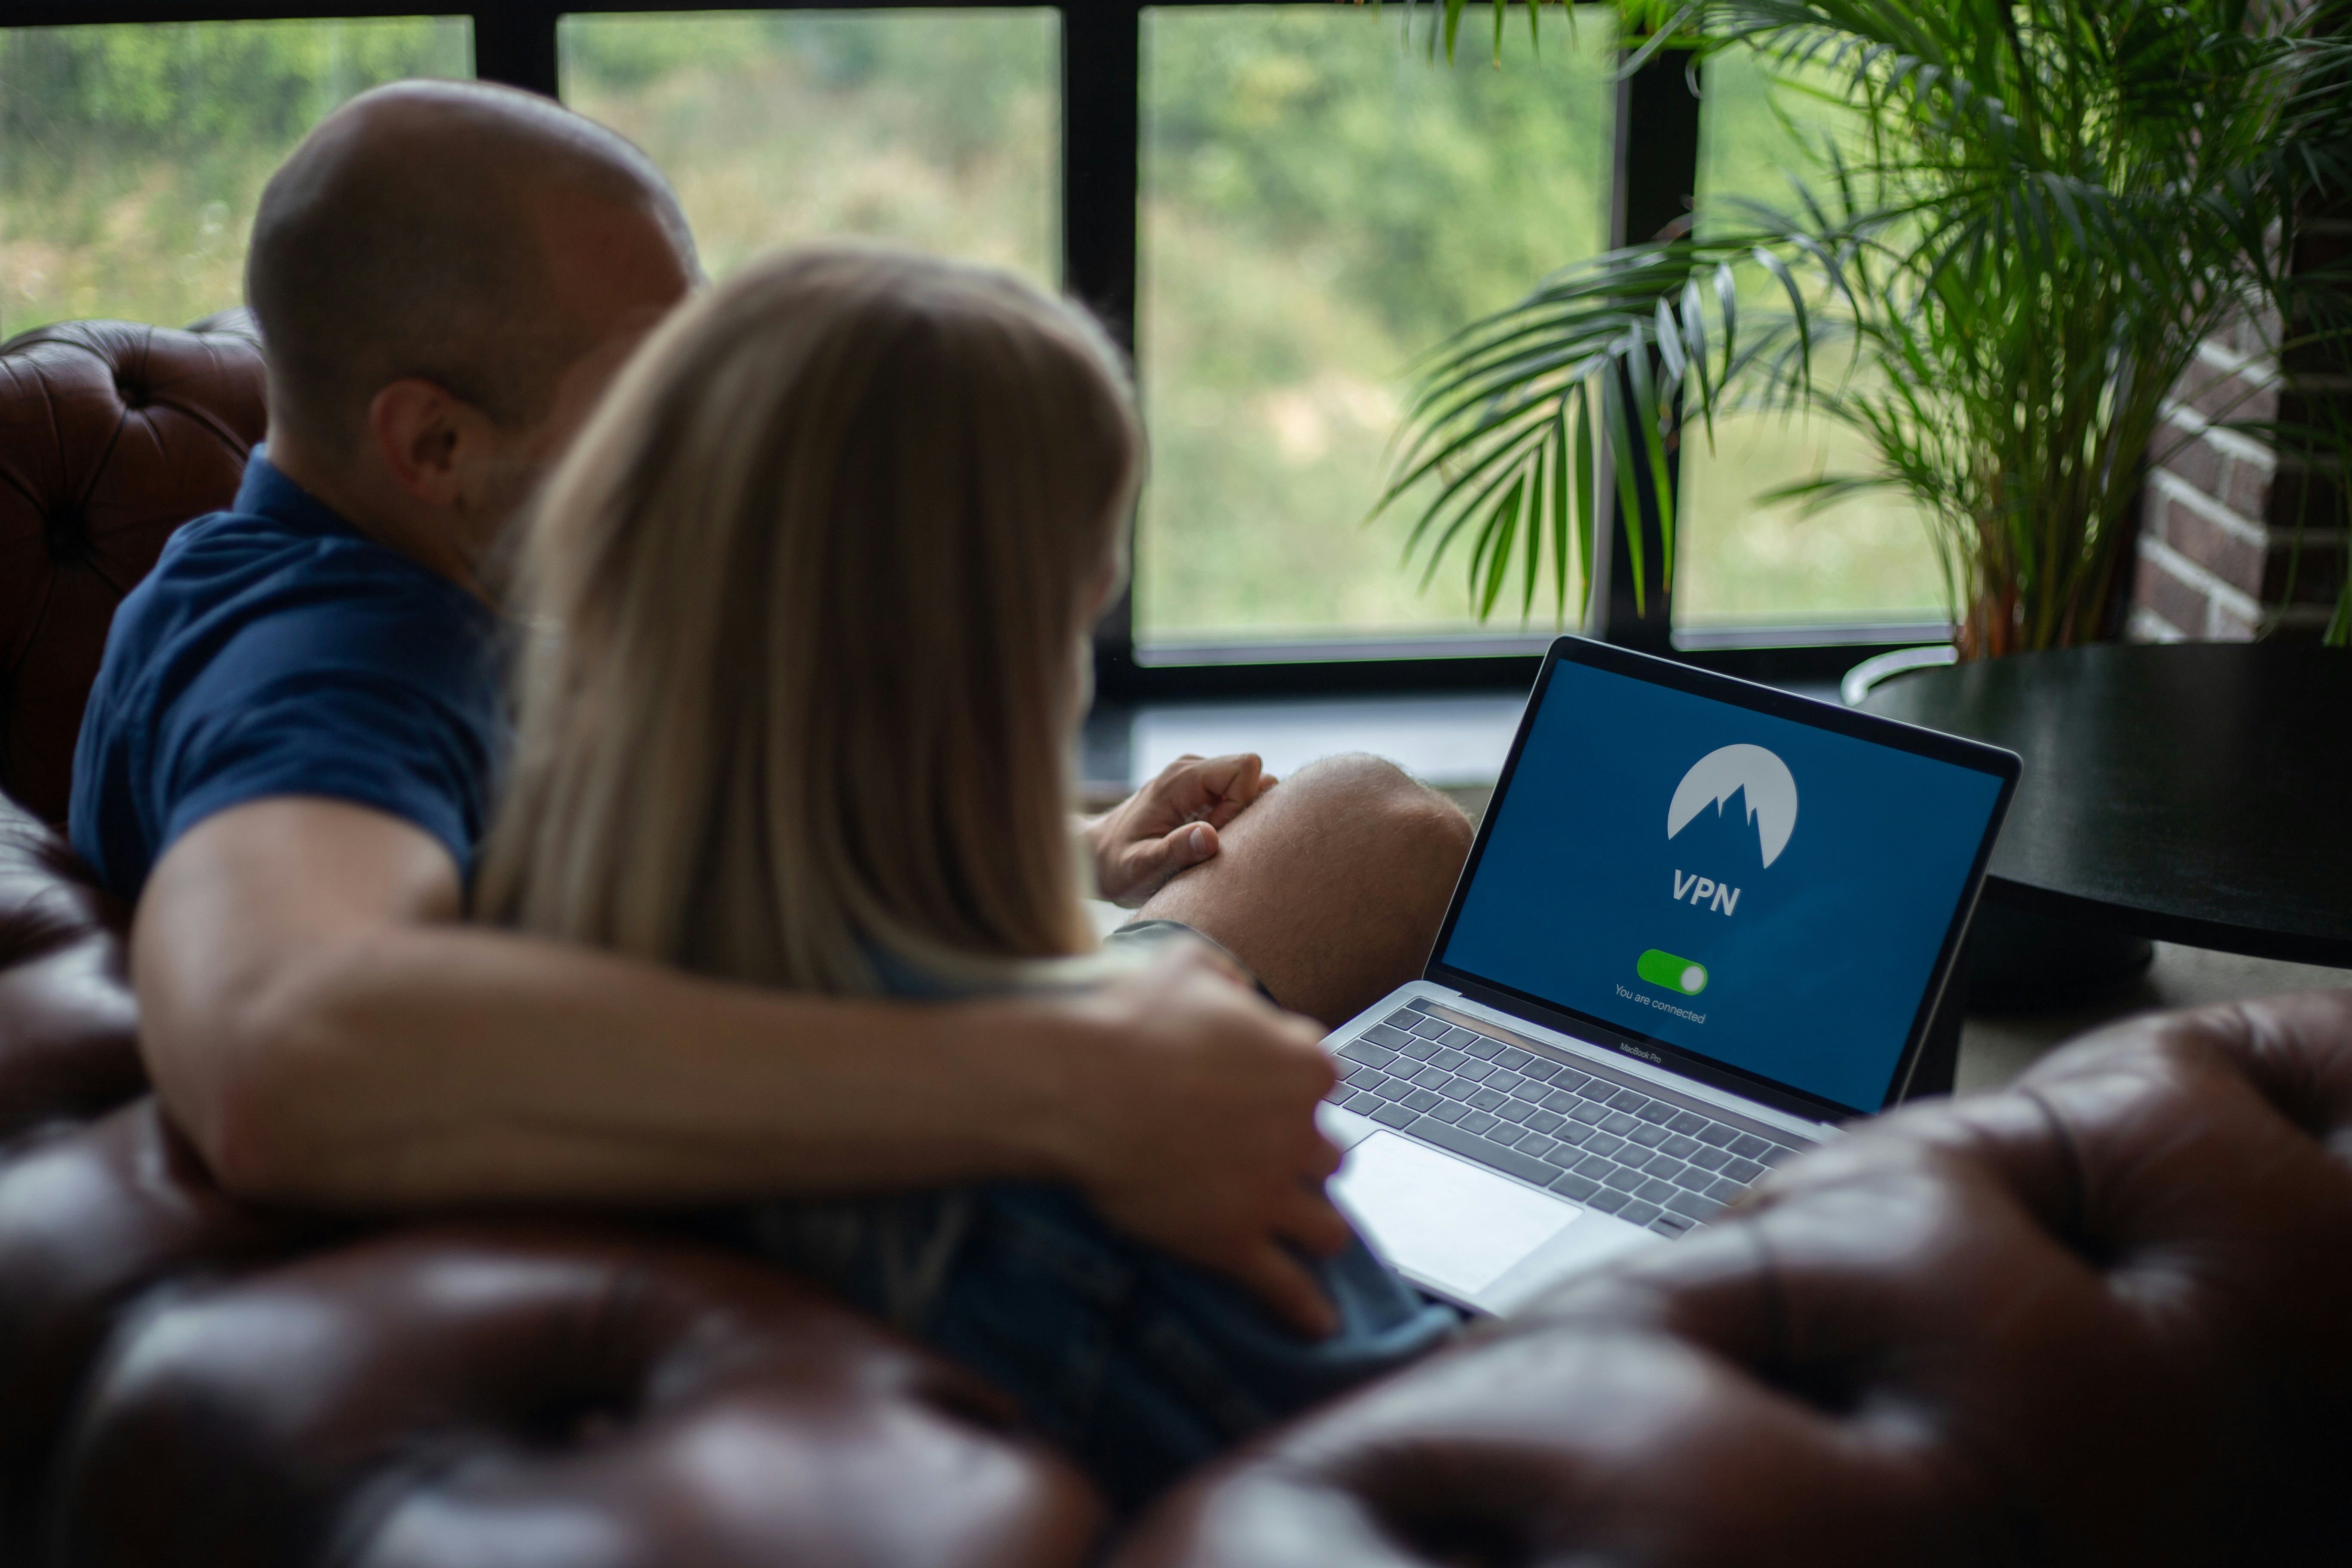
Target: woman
point(810, 604)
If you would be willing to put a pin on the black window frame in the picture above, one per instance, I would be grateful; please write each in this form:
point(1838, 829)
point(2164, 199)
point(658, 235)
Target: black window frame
point(1655, 171)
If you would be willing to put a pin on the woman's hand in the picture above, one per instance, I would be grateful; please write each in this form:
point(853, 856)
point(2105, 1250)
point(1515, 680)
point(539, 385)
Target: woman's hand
point(1170, 823)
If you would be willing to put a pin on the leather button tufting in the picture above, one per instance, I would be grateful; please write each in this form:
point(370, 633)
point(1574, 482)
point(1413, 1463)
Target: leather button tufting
point(67, 533)
point(439, 1396)
point(77, 493)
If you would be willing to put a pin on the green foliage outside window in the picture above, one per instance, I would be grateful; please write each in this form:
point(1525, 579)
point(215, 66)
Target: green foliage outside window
point(1427, 193)
point(934, 129)
point(1319, 203)
point(131, 155)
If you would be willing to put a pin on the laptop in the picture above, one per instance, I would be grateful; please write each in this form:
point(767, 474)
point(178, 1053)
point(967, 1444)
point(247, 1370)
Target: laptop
point(1704, 922)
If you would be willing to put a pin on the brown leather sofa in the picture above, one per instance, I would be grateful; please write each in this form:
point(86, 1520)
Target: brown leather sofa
point(2098, 1318)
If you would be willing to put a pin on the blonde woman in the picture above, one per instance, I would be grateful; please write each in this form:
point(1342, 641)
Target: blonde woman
point(809, 607)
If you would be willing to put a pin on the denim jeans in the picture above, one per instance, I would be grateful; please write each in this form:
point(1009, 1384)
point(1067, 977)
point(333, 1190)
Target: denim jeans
point(1139, 1365)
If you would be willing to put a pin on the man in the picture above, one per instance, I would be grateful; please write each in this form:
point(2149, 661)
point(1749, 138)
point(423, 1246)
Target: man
point(286, 761)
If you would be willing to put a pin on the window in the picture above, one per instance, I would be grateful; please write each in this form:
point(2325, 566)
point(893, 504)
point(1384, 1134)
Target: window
point(1320, 203)
point(1284, 204)
point(1741, 561)
point(937, 130)
point(131, 155)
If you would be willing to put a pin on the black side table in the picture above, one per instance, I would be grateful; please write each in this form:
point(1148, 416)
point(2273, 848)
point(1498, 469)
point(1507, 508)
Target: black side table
point(2195, 793)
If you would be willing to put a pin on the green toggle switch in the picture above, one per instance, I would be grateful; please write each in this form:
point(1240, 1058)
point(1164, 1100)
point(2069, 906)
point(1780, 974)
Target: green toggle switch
point(1674, 974)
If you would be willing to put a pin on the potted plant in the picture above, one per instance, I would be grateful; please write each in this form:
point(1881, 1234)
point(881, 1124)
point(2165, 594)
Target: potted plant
point(1999, 283)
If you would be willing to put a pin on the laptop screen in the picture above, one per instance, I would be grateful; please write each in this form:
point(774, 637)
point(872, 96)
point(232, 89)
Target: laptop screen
point(1711, 874)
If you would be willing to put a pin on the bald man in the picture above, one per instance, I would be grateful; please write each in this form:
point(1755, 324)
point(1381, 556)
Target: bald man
point(287, 757)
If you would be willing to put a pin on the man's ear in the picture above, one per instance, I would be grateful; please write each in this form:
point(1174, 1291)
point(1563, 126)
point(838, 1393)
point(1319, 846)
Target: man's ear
point(420, 429)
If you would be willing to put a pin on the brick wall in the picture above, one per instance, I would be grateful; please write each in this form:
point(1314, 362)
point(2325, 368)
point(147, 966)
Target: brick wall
point(2221, 521)
point(2234, 543)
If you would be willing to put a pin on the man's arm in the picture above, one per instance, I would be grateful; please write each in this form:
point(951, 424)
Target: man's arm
point(325, 1030)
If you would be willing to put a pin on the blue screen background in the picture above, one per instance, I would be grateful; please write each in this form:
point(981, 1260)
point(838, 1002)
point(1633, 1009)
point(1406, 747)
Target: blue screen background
point(1815, 975)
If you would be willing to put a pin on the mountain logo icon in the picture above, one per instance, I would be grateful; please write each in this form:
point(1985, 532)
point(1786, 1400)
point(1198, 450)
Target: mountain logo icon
point(1771, 794)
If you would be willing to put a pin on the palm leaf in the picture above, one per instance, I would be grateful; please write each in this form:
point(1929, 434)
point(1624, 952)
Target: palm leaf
point(2052, 202)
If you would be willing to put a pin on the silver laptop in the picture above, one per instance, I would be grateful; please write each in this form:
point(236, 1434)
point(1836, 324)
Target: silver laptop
point(1704, 923)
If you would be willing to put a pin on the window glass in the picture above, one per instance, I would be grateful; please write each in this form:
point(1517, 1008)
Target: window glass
point(131, 155)
point(1740, 560)
point(938, 129)
point(1321, 203)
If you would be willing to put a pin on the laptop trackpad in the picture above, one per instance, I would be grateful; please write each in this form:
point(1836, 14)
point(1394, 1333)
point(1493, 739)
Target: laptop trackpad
point(1441, 1219)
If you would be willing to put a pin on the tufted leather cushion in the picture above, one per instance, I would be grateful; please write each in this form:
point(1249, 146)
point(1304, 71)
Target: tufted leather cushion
point(68, 1045)
point(111, 436)
point(92, 1217)
point(94, 1221)
point(527, 1396)
point(2098, 1318)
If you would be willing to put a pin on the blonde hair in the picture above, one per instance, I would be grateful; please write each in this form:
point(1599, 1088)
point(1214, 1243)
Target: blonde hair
point(805, 607)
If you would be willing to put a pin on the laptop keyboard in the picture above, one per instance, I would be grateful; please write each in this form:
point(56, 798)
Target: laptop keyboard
point(1609, 1146)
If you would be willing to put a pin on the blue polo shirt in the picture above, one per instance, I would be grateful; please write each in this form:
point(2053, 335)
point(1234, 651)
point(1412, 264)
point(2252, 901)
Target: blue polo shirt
point(276, 650)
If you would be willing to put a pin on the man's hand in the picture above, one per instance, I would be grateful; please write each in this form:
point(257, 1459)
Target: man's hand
point(1192, 1117)
point(1170, 823)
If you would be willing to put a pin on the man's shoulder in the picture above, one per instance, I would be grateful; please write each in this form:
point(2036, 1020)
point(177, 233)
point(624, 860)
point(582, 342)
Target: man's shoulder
point(242, 588)
point(257, 565)
point(269, 655)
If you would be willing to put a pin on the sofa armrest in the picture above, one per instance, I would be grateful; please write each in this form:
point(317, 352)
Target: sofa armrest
point(2097, 1318)
point(534, 1393)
